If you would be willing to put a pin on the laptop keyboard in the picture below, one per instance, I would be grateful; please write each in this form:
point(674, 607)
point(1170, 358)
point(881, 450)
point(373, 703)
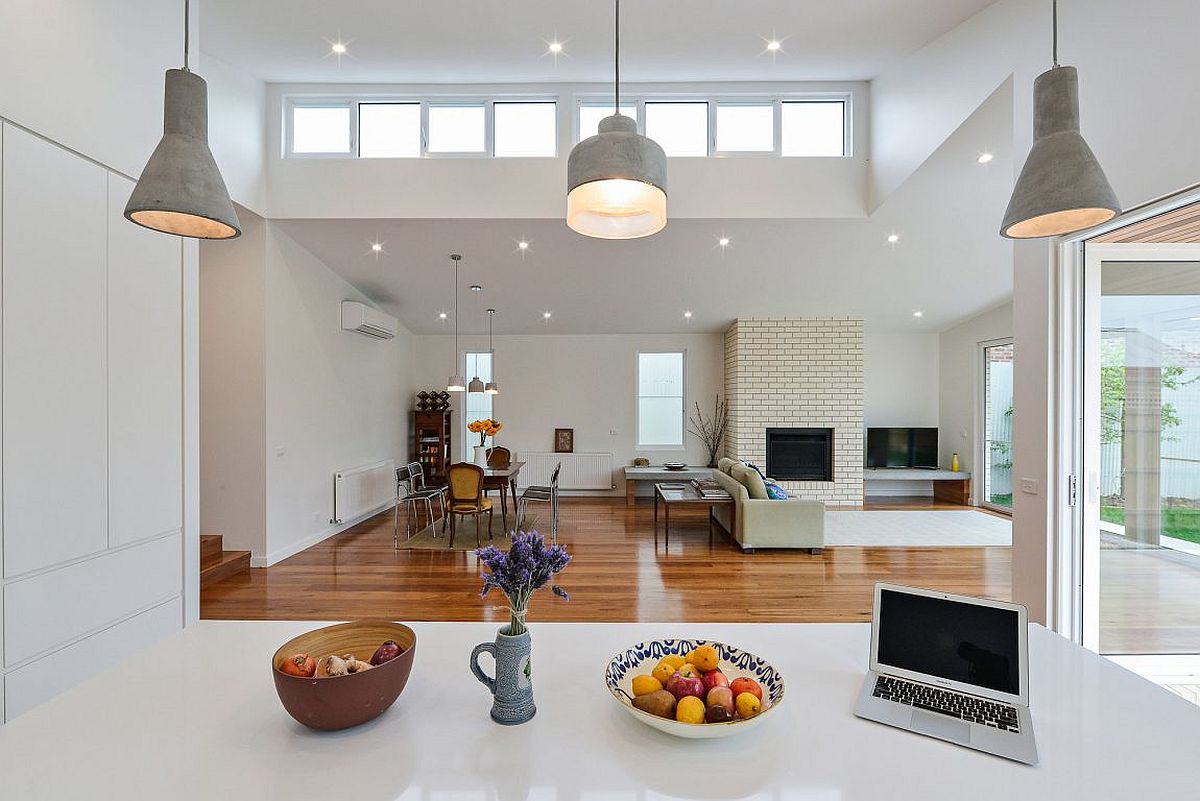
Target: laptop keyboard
point(947, 702)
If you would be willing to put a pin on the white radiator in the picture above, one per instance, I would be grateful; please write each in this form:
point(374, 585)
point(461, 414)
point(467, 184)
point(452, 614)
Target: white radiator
point(580, 471)
point(363, 489)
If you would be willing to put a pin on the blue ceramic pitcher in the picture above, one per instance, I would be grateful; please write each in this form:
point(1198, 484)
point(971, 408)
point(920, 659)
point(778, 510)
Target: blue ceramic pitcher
point(512, 688)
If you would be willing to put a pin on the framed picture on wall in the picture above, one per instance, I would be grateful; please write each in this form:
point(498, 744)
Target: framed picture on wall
point(564, 440)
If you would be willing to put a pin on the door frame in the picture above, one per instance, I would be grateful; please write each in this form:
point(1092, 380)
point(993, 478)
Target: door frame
point(979, 484)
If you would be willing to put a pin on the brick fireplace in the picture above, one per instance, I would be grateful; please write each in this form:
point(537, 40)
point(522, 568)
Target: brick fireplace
point(802, 379)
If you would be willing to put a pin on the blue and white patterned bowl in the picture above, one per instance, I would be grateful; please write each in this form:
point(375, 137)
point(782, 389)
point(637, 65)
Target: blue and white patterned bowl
point(735, 664)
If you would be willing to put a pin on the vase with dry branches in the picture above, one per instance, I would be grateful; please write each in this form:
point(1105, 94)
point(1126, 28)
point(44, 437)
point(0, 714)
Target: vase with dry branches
point(711, 430)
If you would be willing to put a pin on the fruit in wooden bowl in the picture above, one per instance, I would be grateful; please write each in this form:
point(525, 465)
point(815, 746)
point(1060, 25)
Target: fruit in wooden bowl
point(321, 701)
point(710, 689)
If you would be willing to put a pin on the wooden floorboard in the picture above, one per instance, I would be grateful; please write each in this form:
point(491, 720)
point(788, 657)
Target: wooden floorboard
point(616, 574)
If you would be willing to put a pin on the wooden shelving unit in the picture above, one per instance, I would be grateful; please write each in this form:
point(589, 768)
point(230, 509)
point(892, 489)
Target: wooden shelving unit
point(432, 443)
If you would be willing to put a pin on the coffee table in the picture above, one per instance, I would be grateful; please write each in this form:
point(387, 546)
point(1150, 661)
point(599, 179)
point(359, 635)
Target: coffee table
point(688, 496)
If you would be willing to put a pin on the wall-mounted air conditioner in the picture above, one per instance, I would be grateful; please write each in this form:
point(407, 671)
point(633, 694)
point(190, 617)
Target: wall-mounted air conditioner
point(363, 319)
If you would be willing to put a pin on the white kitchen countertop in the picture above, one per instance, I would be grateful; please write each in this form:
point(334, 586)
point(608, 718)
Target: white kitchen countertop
point(196, 717)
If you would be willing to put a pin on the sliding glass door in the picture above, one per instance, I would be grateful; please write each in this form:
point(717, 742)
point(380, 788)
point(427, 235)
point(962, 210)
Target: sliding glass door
point(1140, 501)
point(996, 489)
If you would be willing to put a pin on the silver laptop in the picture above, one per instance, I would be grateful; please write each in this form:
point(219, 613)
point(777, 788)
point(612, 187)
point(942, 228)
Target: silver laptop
point(951, 667)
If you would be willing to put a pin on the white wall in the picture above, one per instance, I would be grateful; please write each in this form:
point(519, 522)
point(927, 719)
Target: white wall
point(237, 131)
point(581, 382)
point(233, 392)
point(483, 188)
point(961, 385)
point(900, 379)
point(96, 452)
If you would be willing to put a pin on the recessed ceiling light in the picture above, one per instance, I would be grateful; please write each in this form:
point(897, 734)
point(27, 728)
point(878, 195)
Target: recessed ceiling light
point(376, 247)
point(441, 315)
point(723, 241)
point(545, 315)
point(476, 288)
point(984, 158)
point(893, 238)
point(918, 314)
point(774, 45)
point(687, 315)
point(338, 48)
point(523, 245)
point(554, 47)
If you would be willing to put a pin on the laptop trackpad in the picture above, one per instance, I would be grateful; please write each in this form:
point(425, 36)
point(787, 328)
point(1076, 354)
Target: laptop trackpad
point(941, 726)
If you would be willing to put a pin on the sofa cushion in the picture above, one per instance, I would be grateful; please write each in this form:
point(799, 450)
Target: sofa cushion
point(725, 464)
point(752, 481)
point(776, 492)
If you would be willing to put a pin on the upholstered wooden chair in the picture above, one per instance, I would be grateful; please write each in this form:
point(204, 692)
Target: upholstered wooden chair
point(465, 482)
point(499, 456)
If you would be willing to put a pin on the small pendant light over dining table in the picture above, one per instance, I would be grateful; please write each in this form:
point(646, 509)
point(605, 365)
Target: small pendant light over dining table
point(492, 387)
point(1062, 187)
point(456, 383)
point(181, 191)
point(617, 179)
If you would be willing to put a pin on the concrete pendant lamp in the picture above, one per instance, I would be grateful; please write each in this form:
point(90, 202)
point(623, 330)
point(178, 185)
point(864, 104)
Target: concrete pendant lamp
point(1062, 187)
point(456, 382)
point(617, 179)
point(492, 387)
point(181, 191)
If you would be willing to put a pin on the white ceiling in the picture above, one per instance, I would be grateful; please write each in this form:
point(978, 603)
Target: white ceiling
point(487, 41)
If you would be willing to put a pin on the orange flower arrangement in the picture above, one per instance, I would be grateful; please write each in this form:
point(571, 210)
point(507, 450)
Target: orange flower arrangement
point(485, 428)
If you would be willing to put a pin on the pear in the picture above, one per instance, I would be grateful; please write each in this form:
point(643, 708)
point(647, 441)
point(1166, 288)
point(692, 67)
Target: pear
point(659, 702)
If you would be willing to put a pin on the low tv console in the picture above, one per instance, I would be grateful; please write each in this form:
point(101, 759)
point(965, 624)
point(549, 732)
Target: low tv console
point(948, 486)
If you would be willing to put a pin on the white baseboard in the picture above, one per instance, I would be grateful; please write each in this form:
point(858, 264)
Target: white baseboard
point(296, 547)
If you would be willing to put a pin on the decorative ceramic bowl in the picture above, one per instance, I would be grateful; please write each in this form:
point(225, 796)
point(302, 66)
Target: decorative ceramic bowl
point(674, 465)
point(735, 664)
point(343, 701)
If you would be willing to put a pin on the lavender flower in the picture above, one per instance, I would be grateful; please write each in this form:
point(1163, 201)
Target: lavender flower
point(527, 567)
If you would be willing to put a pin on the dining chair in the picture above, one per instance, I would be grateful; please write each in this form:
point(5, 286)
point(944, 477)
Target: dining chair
point(542, 494)
point(410, 480)
point(466, 497)
point(499, 456)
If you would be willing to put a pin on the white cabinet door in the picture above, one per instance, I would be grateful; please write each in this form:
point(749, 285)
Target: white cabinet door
point(145, 376)
point(54, 355)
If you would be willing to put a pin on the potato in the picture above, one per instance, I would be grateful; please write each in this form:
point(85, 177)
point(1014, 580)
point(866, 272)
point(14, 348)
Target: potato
point(659, 702)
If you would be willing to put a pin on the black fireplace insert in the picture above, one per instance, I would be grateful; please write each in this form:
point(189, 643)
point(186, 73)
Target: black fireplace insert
point(800, 454)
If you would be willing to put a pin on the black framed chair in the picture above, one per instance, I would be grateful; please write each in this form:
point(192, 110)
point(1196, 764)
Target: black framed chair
point(542, 494)
point(411, 490)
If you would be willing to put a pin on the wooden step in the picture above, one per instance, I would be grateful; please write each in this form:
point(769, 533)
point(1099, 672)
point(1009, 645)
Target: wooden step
point(231, 563)
point(211, 546)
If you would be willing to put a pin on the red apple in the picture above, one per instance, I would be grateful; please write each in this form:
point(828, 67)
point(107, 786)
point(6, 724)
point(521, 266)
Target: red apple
point(714, 678)
point(744, 685)
point(682, 686)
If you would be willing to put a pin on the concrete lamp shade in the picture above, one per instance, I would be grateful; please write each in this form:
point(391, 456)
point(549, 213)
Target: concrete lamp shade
point(476, 385)
point(492, 388)
point(181, 191)
point(617, 183)
point(456, 384)
point(1062, 188)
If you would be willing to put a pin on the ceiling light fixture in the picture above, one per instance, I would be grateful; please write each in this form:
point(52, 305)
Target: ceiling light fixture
point(918, 314)
point(772, 45)
point(338, 48)
point(492, 387)
point(617, 179)
point(441, 315)
point(554, 47)
point(376, 247)
point(687, 315)
point(476, 288)
point(545, 315)
point(181, 191)
point(1062, 188)
point(456, 382)
point(893, 239)
point(985, 158)
point(523, 245)
point(723, 241)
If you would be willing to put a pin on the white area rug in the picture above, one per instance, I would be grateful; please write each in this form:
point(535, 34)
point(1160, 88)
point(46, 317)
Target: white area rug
point(916, 528)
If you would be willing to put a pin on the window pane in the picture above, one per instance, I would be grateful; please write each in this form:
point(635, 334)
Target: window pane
point(660, 421)
point(814, 128)
point(389, 130)
point(321, 130)
point(590, 116)
point(744, 128)
point(660, 399)
point(477, 405)
point(680, 128)
point(525, 129)
point(456, 129)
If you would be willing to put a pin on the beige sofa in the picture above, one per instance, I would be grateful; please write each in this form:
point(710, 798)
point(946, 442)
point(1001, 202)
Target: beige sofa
point(760, 522)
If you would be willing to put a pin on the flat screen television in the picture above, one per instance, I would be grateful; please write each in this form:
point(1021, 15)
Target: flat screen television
point(902, 447)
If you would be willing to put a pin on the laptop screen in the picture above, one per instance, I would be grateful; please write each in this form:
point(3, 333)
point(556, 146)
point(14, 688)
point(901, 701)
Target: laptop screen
point(962, 642)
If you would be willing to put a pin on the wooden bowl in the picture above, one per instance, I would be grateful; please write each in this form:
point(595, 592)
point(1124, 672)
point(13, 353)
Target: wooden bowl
point(343, 701)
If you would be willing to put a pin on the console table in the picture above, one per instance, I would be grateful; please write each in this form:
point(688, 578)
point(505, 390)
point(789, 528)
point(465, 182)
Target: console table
point(656, 474)
point(948, 486)
point(195, 717)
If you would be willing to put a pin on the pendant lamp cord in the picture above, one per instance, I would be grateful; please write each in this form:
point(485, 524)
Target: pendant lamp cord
point(456, 316)
point(187, 26)
point(617, 60)
point(1054, 28)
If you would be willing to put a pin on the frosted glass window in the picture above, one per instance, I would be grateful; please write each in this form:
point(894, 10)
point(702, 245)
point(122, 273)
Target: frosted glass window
point(680, 128)
point(660, 400)
point(525, 129)
point(321, 129)
point(457, 129)
point(814, 128)
point(590, 116)
point(389, 130)
point(746, 128)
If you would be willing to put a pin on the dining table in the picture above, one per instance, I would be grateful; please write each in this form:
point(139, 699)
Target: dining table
point(504, 479)
point(195, 717)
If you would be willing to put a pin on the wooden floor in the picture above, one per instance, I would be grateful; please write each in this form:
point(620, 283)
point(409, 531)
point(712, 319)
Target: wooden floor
point(616, 574)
